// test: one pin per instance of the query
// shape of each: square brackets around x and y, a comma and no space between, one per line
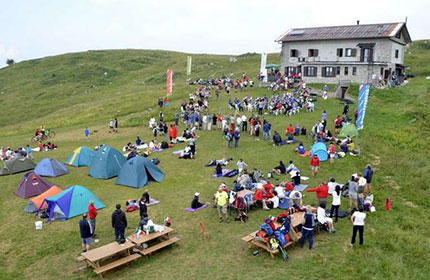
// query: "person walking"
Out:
[332,152]
[335,204]
[92,214]
[29,152]
[308,228]
[221,200]
[87,133]
[315,164]
[119,223]
[86,232]
[357,220]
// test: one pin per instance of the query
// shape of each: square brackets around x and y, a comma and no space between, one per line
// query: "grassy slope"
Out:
[395,140]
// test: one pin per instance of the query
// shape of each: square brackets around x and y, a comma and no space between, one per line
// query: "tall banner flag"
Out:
[189,64]
[263,70]
[169,82]
[363,97]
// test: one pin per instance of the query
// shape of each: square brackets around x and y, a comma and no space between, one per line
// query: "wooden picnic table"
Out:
[295,234]
[94,257]
[147,238]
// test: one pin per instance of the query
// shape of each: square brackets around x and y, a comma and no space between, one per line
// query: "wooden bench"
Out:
[112,265]
[159,246]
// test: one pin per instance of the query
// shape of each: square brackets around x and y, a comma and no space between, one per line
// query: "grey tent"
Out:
[17,165]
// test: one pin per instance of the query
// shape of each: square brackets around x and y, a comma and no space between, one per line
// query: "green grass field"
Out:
[58,92]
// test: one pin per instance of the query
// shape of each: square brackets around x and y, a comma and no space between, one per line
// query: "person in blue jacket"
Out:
[86,233]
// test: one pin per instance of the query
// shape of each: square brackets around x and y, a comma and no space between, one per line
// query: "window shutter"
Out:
[305,71]
[309,53]
[361,55]
[370,55]
[323,71]
[338,52]
[315,52]
[354,52]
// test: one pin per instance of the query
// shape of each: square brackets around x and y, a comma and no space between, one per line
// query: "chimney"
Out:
[358,22]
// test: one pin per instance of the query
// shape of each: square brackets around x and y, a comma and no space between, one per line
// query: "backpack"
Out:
[267,229]
[155,161]
[281,238]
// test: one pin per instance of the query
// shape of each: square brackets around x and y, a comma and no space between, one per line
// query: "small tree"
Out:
[10,61]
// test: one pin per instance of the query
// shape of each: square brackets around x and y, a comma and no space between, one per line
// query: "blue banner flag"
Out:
[363,96]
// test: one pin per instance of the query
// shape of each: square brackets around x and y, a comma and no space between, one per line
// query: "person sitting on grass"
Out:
[301,149]
[195,204]
[326,221]
[277,140]
[296,199]
[218,170]
[280,169]
[187,153]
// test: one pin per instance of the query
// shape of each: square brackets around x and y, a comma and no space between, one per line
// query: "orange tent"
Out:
[35,203]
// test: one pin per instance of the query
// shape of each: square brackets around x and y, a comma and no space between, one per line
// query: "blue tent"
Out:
[49,167]
[106,163]
[138,172]
[71,202]
[82,156]
[320,150]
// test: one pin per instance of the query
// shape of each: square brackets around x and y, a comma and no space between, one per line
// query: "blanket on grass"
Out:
[189,209]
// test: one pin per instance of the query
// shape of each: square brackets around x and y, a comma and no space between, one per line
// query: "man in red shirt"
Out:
[322,192]
[315,164]
[337,124]
[92,214]
[332,152]
[290,131]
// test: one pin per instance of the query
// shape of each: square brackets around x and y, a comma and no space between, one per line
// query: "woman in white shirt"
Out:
[335,203]
[357,220]
[328,222]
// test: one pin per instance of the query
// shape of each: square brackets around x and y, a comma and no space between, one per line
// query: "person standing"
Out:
[368,174]
[236,136]
[143,209]
[241,165]
[111,126]
[353,192]
[357,220]
[308,228]
[229,138]
[332,152]
[221,200]
[176,118]
[315,164]
[335,204]
[86,232]
[266,131]
[322,193]
[119,223]
[244,123]
[193,147]
[115,125]
[87,133]
[92,214]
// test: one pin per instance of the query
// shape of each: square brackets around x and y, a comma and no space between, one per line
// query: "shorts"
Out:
[314,168]
[222,209]
[368,181]
[86,241]
[353,196]
[322,200]
[332,155]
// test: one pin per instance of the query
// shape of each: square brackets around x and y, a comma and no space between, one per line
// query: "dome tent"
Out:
[348,130]
[320,150]
[17,165]
[38,201]
[138,172]
[70,203]
[49,167]
[107,163]
[82,156]
[31,185]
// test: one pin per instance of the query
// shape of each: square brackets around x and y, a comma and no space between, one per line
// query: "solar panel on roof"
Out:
[297,32]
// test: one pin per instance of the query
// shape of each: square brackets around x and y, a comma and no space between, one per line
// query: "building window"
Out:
[350,52]
[339,52]
[312,53]
[294,53]
[396,53]
[328,72]
[310,71]
[366,55]
[337,70]
[354,71]
[346,71]
[291,70]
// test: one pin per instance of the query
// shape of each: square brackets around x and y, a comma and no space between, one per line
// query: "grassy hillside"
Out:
[417,58]
[57,91]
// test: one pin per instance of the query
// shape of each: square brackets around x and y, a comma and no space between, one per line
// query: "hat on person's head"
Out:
[197,194]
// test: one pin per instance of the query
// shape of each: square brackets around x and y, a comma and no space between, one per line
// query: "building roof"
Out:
[358,31]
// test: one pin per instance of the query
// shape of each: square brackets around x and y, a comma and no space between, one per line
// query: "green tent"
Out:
[17,165]
[272,65]
[348,129]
